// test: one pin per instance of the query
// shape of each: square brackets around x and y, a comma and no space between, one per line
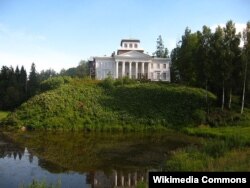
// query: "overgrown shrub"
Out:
[54,82]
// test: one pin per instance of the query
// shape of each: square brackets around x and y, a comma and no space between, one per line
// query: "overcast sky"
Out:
[59,33]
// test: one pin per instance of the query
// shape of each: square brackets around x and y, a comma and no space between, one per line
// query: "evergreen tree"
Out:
[23,83]
[160,50]
[33,82]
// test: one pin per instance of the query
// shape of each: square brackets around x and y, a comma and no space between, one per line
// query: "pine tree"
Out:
[33,83]
[160,50]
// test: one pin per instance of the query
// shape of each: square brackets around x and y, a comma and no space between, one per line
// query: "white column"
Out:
[116,69]
[129,179]
[122,180]
[130,69]
[115,178]
[136,70]
[142,69]
[149,70]
[123,68]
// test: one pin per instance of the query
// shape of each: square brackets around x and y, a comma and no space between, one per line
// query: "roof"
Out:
[129,40]
[134,55]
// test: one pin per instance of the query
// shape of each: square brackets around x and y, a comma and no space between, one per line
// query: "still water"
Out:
[85,159]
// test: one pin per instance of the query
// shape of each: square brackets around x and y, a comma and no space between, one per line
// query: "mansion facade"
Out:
[130,61]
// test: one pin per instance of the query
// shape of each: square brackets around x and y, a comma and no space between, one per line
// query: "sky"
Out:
[56,34]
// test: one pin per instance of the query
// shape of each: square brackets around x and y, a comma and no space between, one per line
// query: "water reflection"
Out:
[84,160]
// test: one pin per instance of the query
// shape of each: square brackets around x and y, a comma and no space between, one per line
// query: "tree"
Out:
[33,82]
[232,51]
[174,67]
[186,60]
[45,74]
[203,66]
[220,67]
[82,70]
[160,50]
[23,83]
[11,93]
[246,58]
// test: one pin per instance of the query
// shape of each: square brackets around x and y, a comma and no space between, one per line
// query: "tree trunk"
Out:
[223,97]
[244,90]
[230,99]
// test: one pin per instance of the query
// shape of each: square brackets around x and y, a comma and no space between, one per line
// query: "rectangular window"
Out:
[152,65]
[164,66]
[164,76]
[152,75]
[158,65]
[158,75]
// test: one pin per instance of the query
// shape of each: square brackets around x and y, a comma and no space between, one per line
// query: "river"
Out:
[78,159]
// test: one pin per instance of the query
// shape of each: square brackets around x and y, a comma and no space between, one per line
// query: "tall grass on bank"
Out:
[225,149]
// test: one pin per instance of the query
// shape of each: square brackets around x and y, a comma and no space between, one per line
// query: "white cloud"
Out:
[239,29]
[19,47]
[53,60]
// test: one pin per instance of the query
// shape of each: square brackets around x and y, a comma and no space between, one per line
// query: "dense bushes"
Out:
[54,82]
[121,104]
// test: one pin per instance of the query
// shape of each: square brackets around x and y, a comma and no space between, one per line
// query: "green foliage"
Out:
[160,50]
[217,153]
[33,81]
[108,83]
[141,184]
[54,82]
[106,105]
[211,60]
[81,71]
[12,87]
[3,115]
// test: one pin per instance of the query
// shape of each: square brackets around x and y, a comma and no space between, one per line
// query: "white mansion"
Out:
[132,62]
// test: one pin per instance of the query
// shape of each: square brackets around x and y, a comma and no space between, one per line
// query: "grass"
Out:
[240,134]
[105,106]
[224,149]
[193,159]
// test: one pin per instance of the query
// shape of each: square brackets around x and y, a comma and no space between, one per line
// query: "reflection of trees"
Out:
[117,178]
[98,154]
[9,149]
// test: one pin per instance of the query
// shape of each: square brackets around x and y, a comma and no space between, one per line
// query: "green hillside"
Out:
[96,105]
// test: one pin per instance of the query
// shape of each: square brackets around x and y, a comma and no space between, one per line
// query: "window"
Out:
[125,45]
[152,65]
[135,45]
[158,75]
[164,66]
[164,76]
[130,45]
[152,75]
[158,65]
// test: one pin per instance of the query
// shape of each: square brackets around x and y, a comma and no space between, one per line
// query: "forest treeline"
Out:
[17,85]
[216,61]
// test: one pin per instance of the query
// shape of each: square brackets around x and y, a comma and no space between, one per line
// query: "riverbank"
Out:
[223,149]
